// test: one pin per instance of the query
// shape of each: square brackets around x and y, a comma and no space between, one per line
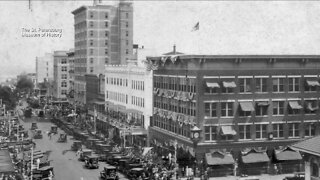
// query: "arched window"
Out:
[314,169]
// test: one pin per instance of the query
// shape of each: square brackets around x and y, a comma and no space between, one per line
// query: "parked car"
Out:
[296,176]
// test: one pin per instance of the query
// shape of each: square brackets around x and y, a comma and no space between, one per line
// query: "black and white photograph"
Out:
[159,90]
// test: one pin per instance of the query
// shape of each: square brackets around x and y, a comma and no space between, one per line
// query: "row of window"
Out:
[64,84]
[116,96]
[261,84]
[260,131]
[137,101]
[188,108]
[172,126]
[175,83]
[259,108]
[106,15]
[63,92]
[64,76]
[138,85]
[64,68]
[117,81]
[106,51]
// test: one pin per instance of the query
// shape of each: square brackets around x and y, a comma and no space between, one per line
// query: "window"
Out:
[91,51]
[226,109]
[127,24]
[106,51]
[63,61]
[278,84]
[106,24]
[106,34]
[294,107]
[212,86]
[210,133]
[63,76]
[278,130]
[262,108]
[63,84]
[228,86]
[91,14]
[63,92]
[244,132]
[64,68]
[106,42]
[91,60]
[106,15]
[91,42]
[261,131]
[127,51]
[91,69]
[127,42]
[309,129]
[278,107]
[106,60]
[261,85]
[127,33]
[293,130]
[91,33]
[314,169]
[91,23]
[294,84]
[311,106]
[245,85]
[210,109]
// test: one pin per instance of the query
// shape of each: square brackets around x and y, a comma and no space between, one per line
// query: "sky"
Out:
[226,27]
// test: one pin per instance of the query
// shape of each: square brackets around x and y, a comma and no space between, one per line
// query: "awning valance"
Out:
[288,154]
[263,103]
[230,84]
[295,105]
[228,130]
[246,106]
[255,157]
[212,85]
[217,158]
[312,83]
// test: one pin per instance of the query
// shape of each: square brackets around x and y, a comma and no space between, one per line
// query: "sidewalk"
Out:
[260,177]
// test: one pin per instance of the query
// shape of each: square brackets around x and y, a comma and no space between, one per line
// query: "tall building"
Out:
[236,102]
[103,35]
[44,68]
[70,55]
[60,75]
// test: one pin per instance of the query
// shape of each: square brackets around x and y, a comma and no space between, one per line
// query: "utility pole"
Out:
[31,176]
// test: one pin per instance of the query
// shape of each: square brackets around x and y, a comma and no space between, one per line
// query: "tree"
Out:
[24,84]
[7,97]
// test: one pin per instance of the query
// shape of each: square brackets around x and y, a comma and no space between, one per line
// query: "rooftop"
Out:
[311,146]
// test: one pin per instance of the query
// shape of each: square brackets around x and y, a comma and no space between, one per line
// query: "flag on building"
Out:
[196,27]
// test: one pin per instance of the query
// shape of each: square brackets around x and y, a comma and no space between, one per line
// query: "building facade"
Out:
[128,95]
[70,55]
[60,75]
[237,102]
[44,68]
[103,35]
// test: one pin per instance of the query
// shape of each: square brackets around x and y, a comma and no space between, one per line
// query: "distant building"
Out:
[71,75]
[60,75]
[103,35]
[128,96]
[44,68]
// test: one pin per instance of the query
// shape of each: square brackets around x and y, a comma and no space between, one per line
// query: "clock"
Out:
[196,135]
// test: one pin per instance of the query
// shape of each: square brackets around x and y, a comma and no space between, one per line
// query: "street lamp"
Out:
[195,137]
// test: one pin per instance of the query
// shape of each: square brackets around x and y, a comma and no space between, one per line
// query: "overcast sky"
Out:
[226,27]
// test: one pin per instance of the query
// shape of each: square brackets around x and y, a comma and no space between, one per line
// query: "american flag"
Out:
[151,66]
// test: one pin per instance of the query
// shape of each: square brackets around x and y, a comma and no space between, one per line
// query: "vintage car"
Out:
[62,138]
[54,130]
[115,158]
[84,153]
[76,145]
[43,173]
[34,126]
[135,173]
[91,162]
[109,173]
[296,176]
[37,134]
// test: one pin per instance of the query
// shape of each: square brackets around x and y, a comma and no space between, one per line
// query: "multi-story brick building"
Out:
[103,35]
[237,102]
[60,75]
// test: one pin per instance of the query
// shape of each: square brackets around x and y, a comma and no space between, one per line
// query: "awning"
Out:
[255,157]
[246,106]
[312,83]
[146,150]
[217,158]
[288,154]
[228,130]
[230,84]
[72,115]
[294,105]
[312,108]
[212,85]
[138,131]
[263,103]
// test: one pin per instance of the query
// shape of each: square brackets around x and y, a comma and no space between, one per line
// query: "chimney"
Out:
[174,48]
